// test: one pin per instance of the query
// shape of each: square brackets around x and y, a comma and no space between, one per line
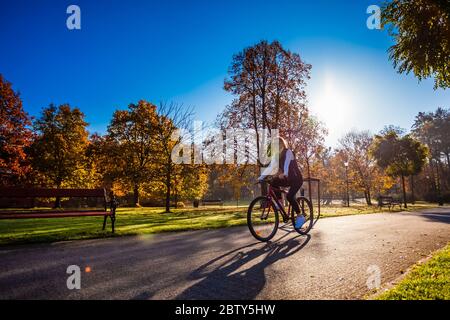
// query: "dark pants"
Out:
[294,186]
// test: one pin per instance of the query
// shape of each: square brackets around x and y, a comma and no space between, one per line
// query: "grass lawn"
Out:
[134,221]
[430,280]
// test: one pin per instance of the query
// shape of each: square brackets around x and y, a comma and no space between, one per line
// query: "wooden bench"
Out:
[388,202]
[212,202]
[60,193]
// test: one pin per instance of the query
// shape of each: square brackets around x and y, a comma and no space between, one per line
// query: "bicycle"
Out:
[263,214]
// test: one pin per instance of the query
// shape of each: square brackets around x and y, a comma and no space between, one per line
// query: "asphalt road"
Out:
[332,263]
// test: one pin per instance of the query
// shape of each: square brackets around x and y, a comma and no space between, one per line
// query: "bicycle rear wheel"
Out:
[306,209]
[262,219]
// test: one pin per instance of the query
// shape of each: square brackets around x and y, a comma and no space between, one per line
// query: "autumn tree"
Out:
[103,166]
[171,122]
[355,146]
[15,135]
[421,31]
[130,144]
[330,175]
[399,156]
[268,83]
[308,143]
[192,182]
[58,151]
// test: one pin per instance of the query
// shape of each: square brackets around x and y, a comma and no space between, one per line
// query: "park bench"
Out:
[32,193]
[389,202]
[212,202]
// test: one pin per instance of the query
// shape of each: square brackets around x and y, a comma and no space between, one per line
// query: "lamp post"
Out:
[346,179]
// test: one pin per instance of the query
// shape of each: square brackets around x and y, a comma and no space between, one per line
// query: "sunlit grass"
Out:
[336,211]
[428,281]
[135,221]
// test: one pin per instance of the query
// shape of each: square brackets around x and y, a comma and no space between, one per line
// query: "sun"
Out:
[332,104]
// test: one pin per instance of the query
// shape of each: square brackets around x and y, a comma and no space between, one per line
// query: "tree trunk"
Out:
[58,199]
[438,184]
[413,200]
[404,191]
[368,198]
[176,198]
[136,194]
[168,191]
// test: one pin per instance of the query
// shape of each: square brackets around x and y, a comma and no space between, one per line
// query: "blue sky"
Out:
[181,50]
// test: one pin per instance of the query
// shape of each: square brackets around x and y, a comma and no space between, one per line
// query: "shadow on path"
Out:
[239,273]
[436,216]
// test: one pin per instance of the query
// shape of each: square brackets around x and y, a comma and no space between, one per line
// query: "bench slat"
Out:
[65,214]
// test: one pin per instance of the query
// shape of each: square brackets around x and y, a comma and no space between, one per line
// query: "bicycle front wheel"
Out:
[262,219]
[306,209]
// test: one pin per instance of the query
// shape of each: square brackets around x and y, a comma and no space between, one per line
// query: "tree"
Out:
[58,152]
[421,30]
[330,175]
[399,156]
[131,145]
[102,167]
[433,129]
[15,135]
[171,119]
[268,83]
[308,142]
[355,146]
[194,182]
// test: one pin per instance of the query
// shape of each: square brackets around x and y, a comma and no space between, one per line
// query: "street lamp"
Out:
[346,179]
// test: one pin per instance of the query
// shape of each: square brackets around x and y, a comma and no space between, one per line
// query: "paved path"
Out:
[228,263]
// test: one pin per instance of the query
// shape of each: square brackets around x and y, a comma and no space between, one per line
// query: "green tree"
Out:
[421,30]
[433,129]
[58,152]
[399,156]
[15,135]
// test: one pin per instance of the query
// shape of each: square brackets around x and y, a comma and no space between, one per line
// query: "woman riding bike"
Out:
[286,174]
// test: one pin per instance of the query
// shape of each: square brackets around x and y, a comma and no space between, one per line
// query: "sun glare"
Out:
[332,103]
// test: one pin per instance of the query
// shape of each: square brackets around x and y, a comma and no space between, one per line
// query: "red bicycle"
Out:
[263,215]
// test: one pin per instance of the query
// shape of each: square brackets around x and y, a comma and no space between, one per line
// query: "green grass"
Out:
[135,221]
[428,281]
[336,211]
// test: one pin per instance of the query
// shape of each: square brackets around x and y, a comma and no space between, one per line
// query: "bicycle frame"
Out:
[273,197]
